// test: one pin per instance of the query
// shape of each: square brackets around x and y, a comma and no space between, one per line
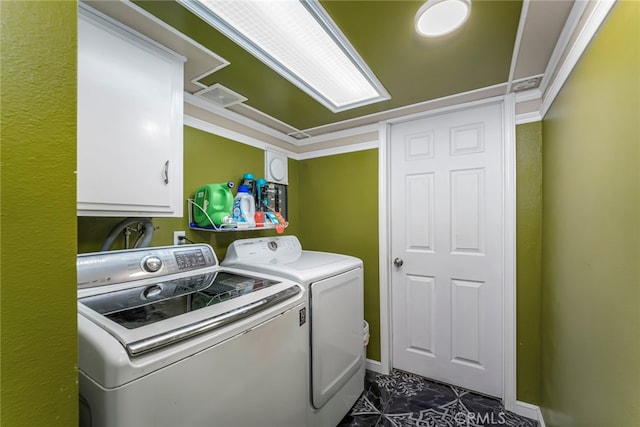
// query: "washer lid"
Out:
[149,303]
[151,315]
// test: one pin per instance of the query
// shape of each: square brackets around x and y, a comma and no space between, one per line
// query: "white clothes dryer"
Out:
[336,314]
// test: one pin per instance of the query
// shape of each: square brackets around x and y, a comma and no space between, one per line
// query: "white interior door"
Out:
[447,213]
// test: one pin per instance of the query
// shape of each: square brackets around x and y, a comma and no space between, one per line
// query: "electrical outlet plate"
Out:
[176,235]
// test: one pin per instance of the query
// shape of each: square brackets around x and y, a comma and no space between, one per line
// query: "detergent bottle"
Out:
[214,203]
[244,208]
[249,181]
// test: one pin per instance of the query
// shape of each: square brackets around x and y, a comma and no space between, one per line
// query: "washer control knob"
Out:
[152,264]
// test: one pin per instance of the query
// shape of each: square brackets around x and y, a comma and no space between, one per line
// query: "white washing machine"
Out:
[169,338]
[336,315]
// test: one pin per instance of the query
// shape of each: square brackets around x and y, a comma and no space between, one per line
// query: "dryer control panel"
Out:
[263,249]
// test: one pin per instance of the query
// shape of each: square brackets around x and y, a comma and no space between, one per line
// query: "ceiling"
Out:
[503,42]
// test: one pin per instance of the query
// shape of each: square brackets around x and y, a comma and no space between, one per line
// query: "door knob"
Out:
[398,262]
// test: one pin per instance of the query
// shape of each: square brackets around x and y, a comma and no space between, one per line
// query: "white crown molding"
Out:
[340,134]
[118,27]
[196,79]
[238,118]
[588,31]
[233,135]
[516,45]
[290,128]
[427,107]
[351,148]
[525,118]
[447,109]
[170,30]
[420,107]
[247,140]
[528,95]
[563,41]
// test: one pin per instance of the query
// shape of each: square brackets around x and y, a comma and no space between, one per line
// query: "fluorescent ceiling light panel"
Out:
[298,40]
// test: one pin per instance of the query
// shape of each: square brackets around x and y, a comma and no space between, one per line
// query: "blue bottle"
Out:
[261,197]
[249,182]
[244,208]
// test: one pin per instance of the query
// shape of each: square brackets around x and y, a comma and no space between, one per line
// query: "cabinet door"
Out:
[129,123]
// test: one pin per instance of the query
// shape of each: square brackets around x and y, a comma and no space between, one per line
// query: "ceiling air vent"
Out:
[299,135]
[526,84]
[220,95]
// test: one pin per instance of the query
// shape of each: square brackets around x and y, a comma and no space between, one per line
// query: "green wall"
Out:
[528,263]
[38,236]
[207,159]
[339,207]
[591,235]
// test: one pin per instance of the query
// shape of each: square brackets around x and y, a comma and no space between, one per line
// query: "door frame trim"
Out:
[508,232]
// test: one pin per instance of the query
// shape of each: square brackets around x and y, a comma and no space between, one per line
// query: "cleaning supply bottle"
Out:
[213,205]
[244,208]
[249,181]
[262,201]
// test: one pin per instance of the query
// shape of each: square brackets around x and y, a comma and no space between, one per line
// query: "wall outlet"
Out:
[176,238]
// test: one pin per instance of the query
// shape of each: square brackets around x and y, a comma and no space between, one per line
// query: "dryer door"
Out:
[336,333]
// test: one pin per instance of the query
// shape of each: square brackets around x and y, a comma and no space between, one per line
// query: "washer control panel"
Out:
[108,268]
[152,263]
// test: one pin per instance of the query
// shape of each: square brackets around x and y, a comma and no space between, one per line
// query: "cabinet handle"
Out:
[166,172]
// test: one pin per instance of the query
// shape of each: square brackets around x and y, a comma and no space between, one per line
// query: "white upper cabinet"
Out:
[130,114]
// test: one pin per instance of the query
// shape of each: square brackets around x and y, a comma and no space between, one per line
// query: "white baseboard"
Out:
[530,411]
[375,366]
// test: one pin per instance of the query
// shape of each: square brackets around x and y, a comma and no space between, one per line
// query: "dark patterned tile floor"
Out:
[402,399]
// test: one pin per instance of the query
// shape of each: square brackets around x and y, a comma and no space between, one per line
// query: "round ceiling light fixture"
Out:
[440,17]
